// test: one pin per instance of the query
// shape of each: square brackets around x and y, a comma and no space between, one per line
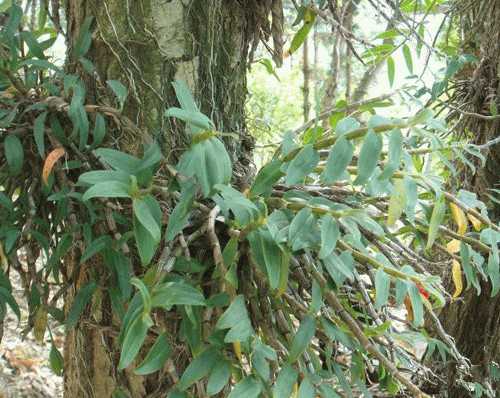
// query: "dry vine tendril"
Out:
[305,267]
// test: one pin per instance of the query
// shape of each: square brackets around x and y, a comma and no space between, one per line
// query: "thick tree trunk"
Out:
[474,321]
[147,45]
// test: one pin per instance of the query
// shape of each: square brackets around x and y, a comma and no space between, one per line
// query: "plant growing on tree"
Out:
[304,267]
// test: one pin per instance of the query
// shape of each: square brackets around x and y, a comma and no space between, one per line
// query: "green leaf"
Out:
[143,214]
[302,338]
[244,210]
[249,387]
[156,357]
[100,176]
[99,130]
[339,267]
[436,220]
[56,361]
[119,90]
[134,339]
[107,189]
[470,274]
[80,302]
[84,40]
[7,297]
[382,285]
[301,165]
[39,133]
[119,160]
[339,158]
[330,233]
[346,125]
[306,389]
[416,304]
[266,178]
[285,381]
[397,202]
[196,120]
[219,377]
[261,353]
[391,70]
[184,96]
[302,230]
[209,162]
[368,157]
[408,58]
[14,153]
[167,294]
[96,246]
[395,149]
[180,215]
[144,293]
[236,319]
[301,35]
[200,367]
[146,244]
[267,255]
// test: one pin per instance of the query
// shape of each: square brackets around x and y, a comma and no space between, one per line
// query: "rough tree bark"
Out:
[474,321]
[147,45]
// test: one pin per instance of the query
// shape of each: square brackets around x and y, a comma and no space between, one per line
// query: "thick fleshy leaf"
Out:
[156,357]
[302,338]
[368,157]
[382,285]
[199,368]
[301,165]
[285,382]
[134,339]
[339,158]
[267,255]
[246,388]
[330,233]
[219,377]
[266,178]
[236,319]
[79,303]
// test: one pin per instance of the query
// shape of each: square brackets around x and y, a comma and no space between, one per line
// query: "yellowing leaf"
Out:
[50,161]
[4,263]
[453,246]
[475,222]
[397,202]
[456,272]
[295,392]
[409,309]
[459,218]
[40,324]
[237,349]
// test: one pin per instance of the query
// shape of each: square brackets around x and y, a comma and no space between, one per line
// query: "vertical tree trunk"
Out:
[147,45]
[474,321]
[306,73]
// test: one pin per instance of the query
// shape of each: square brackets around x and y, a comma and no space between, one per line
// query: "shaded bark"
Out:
[474,321]
[147,45]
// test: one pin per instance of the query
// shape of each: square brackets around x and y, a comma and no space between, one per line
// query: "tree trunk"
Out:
[474,321]
[147,45]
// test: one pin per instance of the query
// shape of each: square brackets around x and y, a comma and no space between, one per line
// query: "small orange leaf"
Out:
[409,309]
[50,161]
